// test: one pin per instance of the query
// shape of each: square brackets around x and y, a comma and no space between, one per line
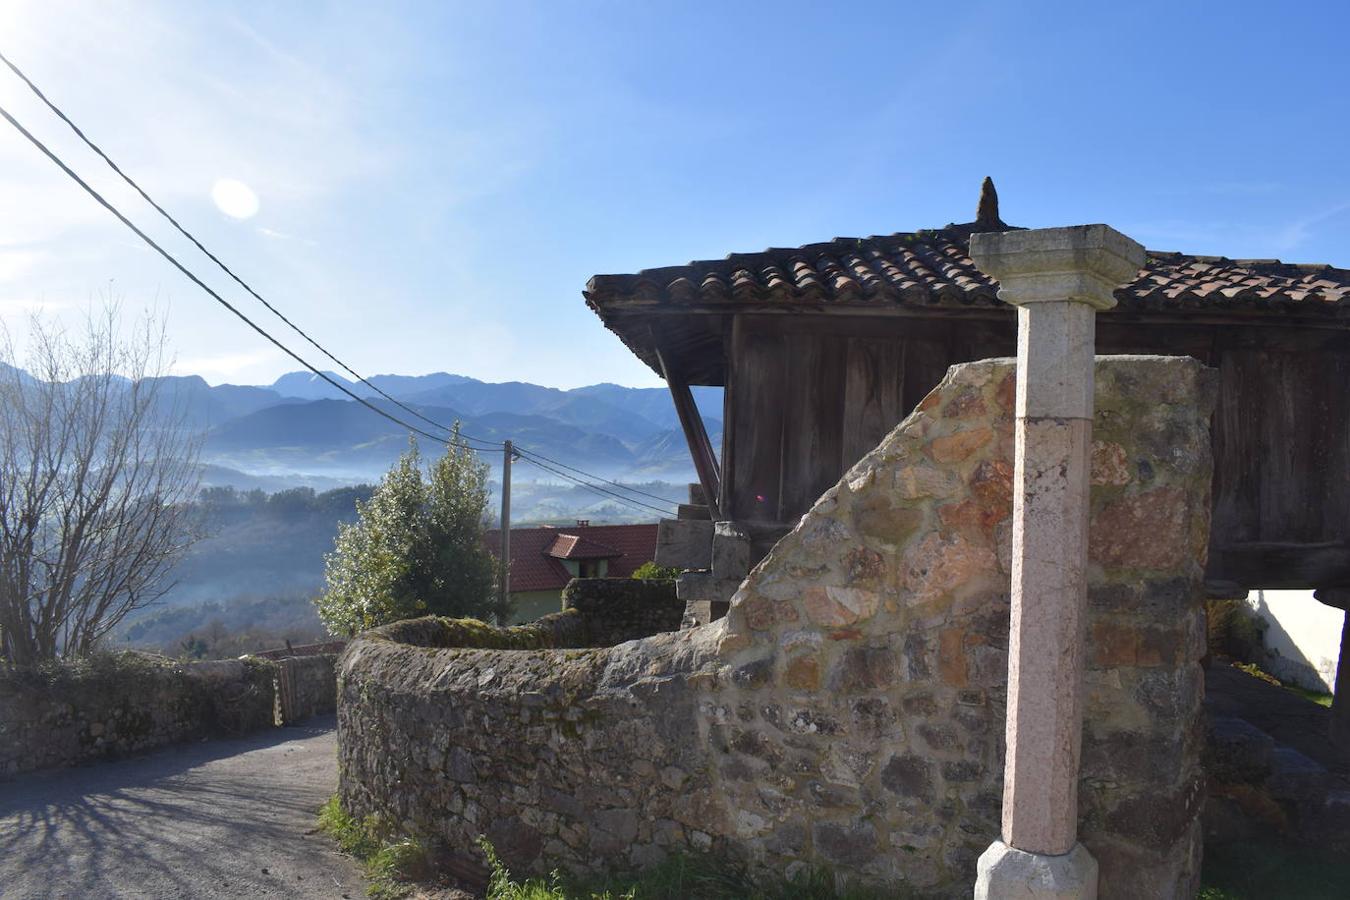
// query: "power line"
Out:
[238,280]
[215,259]
[635,504]
[204,286]
[527,452]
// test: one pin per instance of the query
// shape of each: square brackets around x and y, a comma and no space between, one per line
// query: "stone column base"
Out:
[1006,873]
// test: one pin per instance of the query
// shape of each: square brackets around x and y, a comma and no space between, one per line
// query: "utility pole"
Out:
[504,573]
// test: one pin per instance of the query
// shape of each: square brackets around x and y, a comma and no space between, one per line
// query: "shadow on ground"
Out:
[225,818]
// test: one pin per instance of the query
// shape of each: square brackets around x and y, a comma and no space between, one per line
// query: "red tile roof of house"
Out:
[575,546]
[537,553]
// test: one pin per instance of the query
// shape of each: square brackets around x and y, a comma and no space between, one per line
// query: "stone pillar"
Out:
[1057,278]
[1339,598]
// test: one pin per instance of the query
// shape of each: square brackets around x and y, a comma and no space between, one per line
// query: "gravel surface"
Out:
[225,818]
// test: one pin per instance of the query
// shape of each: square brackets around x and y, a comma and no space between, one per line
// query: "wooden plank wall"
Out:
[808,396]
[805,403]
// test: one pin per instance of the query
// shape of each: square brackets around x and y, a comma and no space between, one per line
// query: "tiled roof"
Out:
[535,566]
[575,546]
[933,268]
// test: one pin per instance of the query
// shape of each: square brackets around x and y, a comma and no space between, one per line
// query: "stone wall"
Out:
[114,706]
[623,609]
[849,710]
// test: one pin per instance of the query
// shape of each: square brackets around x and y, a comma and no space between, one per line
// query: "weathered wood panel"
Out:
[760,361]
[926,361]
[874,383]
[813,435]
[1237,463]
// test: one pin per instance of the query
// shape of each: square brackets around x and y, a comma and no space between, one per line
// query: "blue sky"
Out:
[436,181]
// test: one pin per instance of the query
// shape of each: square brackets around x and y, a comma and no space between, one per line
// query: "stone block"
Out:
[1297,779]
[692,511]
[730,551]
[1237,752]
[705,587]
[684,543]
[1006,873]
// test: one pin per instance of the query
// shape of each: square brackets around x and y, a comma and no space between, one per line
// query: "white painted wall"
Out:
[1304,637]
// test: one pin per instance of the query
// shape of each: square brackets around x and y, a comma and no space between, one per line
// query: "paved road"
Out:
[217,819]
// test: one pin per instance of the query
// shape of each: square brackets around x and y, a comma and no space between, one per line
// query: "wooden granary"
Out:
[824,348]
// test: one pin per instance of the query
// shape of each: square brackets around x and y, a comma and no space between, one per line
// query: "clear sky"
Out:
[435,181]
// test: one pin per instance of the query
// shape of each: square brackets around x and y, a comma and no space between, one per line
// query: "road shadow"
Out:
[167,823]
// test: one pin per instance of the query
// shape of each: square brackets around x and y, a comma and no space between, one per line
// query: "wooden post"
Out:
[1340,703]
[504,562]
[696,435]
[1339,598]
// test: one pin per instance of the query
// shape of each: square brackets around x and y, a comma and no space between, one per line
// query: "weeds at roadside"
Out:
[391,865]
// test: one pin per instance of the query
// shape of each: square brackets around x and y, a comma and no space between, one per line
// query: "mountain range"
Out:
[302,430]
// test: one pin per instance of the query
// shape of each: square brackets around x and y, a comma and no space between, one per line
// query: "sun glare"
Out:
[235,199]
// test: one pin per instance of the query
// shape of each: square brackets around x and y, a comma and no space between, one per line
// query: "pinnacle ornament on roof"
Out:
[986,215]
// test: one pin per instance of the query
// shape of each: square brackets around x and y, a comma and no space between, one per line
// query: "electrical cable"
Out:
[594,488]
[204,286]
[616,484]
[238,280]
[215,259]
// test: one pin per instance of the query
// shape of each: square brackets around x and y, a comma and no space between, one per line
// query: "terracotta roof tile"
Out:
[575,546]
[934,268]
[537,566]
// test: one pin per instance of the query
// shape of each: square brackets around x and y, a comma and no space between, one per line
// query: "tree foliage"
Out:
[96,474]
[416,547]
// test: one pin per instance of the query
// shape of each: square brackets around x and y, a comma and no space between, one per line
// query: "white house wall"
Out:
[1303,639]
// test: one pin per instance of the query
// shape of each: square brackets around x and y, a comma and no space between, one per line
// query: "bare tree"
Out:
[97,470]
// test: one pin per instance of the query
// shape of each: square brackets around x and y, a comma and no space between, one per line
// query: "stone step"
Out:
[1238,752]
[1297,779]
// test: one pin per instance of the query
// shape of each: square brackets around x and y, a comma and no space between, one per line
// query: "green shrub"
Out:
[416,548]
[650,571]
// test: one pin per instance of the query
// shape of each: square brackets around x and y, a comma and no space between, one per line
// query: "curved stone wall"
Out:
[849,709]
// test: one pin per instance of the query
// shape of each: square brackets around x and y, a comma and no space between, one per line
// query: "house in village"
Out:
[823,349]
[544,558]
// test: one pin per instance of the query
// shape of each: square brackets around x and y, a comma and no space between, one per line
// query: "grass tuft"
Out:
[391,864]
[682,877]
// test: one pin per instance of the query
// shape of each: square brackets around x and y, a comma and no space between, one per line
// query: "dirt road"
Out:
[227,818]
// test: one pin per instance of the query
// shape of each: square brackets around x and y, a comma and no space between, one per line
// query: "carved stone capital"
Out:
[1082,263]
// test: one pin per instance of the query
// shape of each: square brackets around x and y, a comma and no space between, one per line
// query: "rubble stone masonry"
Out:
[849,710]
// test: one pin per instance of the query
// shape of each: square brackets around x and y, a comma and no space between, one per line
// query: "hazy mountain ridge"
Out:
[313,428]
[302,430]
